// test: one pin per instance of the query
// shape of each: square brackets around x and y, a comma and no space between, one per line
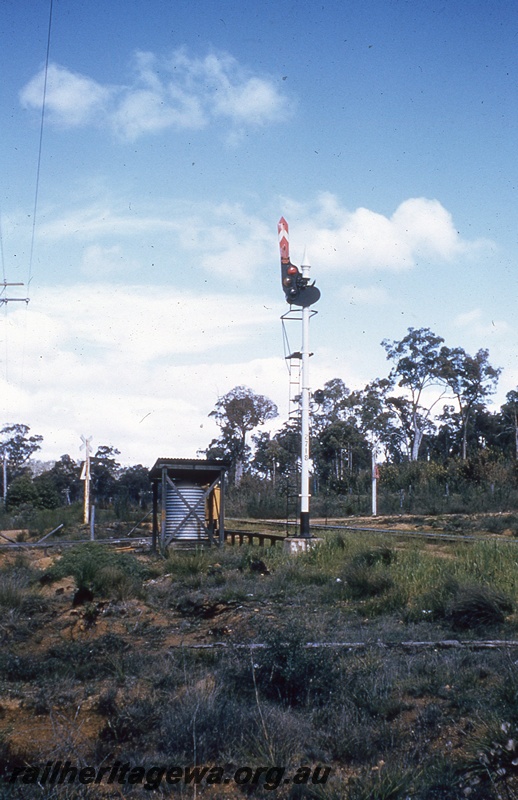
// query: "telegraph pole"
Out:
[3,302]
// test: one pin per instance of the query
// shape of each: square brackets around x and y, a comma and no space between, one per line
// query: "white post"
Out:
[86,506]
[304,414]
[5,477]
[374,483]
[86,446]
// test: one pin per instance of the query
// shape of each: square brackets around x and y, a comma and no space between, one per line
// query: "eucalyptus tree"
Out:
[331,403]
[65,477]
[509,415]
[238,413]
[377,418]
[16,447]
[472,380]
[105,471]
[338,445]
[420,361]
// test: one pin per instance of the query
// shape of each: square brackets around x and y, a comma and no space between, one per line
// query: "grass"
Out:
[105,572]
[382,717]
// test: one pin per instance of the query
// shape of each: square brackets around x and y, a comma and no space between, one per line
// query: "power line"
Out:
[2,257]
[4,299]
[40,147]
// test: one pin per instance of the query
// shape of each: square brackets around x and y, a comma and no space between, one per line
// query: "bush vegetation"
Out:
[392,720]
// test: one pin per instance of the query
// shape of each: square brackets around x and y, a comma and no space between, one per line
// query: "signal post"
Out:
[299,292]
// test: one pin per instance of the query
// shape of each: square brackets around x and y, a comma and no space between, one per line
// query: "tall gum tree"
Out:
[377,418]
[472,380]
[238,413]
[509,414]
[419,365]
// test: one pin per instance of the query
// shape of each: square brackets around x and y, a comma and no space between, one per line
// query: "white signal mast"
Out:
[300,292]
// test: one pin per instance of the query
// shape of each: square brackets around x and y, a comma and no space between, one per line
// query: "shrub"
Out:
[185,564]
[386,782]
[136,722]
[290,672]
[367,574]
[464,606]
[348,734]
[203,723]
[378,555]
[115,581]
[363,582]
[104,571]
[14,588]
[478,607]
[493,757]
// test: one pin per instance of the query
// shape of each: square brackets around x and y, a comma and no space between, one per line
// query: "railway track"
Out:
[240,535]
[419,534]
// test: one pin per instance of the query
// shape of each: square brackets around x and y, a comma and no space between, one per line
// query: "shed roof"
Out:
[189,468]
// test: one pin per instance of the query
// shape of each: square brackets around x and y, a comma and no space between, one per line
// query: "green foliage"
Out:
[386,782]
[363,581]
[104,571]
[14,588]
[382,716]
[290,672]
[187,563]
[477,607]
[22,491]
[18,447]
[47,494]
[238,413]
[464,606]
[493,756]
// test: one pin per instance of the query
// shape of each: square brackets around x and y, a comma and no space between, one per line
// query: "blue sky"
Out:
[175,136]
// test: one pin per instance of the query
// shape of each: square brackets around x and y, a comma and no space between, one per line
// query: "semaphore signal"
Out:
[299,292]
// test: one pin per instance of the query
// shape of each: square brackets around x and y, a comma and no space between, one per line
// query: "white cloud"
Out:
[234,94]
[427,228]
[226,241]
[476,323]
[221,239]
[137,367]
[234,242]
[177,93]
[146,111]
[364,295]
[71,99]
[102,219]
[102,262]
[133,366]
[364,239]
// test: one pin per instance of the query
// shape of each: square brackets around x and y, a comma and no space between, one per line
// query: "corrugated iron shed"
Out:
[192,500]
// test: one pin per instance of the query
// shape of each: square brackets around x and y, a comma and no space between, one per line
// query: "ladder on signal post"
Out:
[294,363]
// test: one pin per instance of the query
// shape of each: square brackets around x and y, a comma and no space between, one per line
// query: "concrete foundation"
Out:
[293,544]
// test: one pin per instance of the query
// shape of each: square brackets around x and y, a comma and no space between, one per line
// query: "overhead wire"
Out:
[37,183]
[2,256]
[40,147]
[3,302]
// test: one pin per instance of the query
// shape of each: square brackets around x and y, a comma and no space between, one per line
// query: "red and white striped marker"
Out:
[284,240]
